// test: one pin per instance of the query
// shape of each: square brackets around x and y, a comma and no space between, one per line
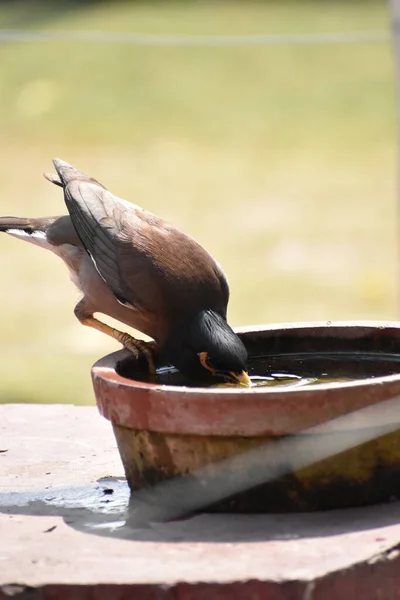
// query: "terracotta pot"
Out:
[272,439]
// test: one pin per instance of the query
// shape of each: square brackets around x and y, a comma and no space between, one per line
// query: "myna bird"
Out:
[140,270]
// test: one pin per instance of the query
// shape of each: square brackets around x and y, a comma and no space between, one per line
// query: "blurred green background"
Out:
[280,159]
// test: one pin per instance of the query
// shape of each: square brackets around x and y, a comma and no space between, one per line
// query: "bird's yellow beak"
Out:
[240,378]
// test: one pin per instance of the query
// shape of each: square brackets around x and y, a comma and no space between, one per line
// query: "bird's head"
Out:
[205,348]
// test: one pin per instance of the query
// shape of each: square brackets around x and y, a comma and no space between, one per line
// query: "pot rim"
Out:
[244,412]
[105,367]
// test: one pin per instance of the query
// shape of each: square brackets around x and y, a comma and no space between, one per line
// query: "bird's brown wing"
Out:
[94,214]
[147,263]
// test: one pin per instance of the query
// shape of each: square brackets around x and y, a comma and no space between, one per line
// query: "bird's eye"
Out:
[206,363]
[210,364]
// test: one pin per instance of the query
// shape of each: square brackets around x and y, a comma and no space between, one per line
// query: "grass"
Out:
[279,159]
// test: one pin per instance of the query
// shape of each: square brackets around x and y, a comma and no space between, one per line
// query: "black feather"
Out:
[208,332]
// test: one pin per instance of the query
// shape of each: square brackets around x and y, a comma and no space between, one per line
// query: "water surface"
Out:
[296,369]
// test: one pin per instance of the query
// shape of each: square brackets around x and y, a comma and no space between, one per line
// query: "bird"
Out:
[133,266]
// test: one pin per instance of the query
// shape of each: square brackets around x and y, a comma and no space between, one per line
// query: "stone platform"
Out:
[65,532]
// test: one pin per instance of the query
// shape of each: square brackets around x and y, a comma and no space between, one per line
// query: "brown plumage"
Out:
[133,266]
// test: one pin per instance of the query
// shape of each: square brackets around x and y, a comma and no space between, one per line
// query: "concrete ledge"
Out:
[65,533]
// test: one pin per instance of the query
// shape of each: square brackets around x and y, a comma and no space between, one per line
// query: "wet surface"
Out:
[99,507]
[107,496]
[84,509]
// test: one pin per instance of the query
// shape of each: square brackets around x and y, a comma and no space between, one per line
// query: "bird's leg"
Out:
[137,347]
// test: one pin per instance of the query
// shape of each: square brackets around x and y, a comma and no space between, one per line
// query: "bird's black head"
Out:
[205,348]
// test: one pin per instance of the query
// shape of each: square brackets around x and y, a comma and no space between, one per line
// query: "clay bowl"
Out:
[281,448]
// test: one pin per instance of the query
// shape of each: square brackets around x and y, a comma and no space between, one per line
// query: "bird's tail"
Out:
[67,173]
[30,230]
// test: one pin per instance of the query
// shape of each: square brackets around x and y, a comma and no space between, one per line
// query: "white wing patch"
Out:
[38,238]
[21,233]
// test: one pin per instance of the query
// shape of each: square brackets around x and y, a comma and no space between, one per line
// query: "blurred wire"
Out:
[394,6]
[22,349]
[143,39]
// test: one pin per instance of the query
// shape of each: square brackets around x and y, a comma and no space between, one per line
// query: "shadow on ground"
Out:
[106,509]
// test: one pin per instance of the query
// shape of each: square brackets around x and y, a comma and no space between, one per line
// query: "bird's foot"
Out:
[138,348]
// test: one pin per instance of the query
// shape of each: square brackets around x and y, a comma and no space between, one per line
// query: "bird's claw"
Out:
[139,348]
